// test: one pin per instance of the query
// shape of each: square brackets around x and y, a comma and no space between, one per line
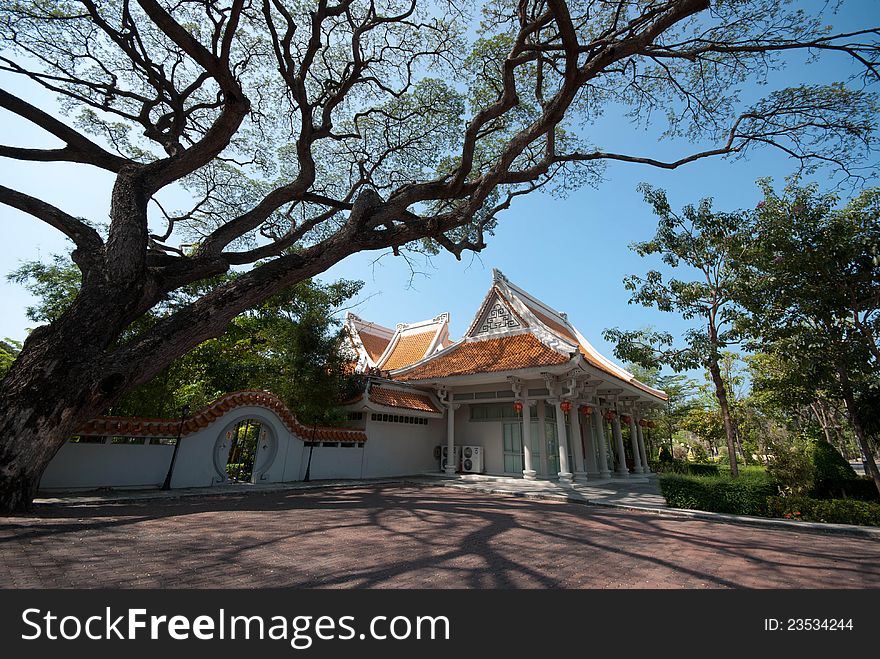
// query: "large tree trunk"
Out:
[855,420]
[65,373]
[55,385]
[721,394]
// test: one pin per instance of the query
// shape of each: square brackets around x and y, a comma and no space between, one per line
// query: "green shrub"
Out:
[702,470]
[828,463]
[791,464]
[742,496]
[699,455]
[834,511]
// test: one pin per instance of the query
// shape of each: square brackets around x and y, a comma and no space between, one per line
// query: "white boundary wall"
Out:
[392,449]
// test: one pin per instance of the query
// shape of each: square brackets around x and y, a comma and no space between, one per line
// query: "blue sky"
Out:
[571,253]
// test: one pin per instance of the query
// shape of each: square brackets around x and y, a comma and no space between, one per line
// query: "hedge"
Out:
[682,467]
[736,497]
[834,511]
[861,488]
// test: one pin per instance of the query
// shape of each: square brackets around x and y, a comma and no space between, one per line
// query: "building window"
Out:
[87,439]
[163,441]
[496,412]
[127,440]
[395,418]
[355,416]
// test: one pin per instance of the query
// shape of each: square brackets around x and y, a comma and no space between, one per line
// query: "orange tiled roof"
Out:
[405,399]
[492,355]
[568,334]
[374,345]
[141,427]
[409,349]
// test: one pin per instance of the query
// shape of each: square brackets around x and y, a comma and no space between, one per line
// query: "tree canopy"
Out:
[811,291]
[701,241]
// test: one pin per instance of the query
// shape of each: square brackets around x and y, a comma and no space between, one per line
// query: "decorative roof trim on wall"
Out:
[396,396]
[144,427]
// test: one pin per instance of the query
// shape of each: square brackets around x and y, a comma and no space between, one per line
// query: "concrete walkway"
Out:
[401,535]
[639,493]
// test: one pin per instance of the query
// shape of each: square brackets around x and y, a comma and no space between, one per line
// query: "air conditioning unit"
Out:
[472,460]
[444,453]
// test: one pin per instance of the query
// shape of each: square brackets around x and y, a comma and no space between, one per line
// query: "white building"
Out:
[523,385]
[522,394]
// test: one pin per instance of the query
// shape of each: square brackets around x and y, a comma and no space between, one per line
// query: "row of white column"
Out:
[585,466]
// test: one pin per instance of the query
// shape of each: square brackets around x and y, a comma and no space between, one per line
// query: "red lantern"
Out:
[565,406]
[610,415]
[518,407]
[586,410]
[626,418]
[643,423]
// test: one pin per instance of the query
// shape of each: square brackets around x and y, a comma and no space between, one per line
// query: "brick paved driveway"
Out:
[403,537]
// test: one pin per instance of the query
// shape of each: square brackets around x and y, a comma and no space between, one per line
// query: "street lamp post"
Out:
[184,412]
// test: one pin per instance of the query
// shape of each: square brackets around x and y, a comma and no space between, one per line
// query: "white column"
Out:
[565,474]
[599,425]
[541,410]
[634,442]
[621,470]
[529,472]
[450,437]
[645,466]
[590,465]
[577,448]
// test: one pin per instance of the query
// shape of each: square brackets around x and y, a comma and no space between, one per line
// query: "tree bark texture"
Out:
[729,431]
[858,428]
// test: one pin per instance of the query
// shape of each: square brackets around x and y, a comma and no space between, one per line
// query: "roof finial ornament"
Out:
[497,275]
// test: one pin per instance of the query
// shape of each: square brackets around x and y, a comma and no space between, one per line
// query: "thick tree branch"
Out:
[79,148]
[88,242]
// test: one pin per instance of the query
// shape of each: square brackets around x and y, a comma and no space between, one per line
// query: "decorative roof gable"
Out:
[497,318]
[369,340]
[412,342]
[513,330]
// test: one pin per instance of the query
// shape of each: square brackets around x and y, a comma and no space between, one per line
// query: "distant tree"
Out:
[54,284]
[9,350]
[680,391]
[813,291]
[292,345]
[791,392]
[706,424]
[696,240]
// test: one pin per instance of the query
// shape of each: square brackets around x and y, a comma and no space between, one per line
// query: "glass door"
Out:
[551,441]
[513,449]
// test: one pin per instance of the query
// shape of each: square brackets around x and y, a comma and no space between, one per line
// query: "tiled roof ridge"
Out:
[407,332]
[400,396]
[368,325]
[147,427]
[558,324]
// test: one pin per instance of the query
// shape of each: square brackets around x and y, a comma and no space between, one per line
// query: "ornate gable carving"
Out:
[497,319]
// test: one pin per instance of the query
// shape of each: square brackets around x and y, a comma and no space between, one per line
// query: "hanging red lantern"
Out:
[610,415]
[518,407]
[626,418]
[586,410]
[565,406]
[643,423]
[651,424]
